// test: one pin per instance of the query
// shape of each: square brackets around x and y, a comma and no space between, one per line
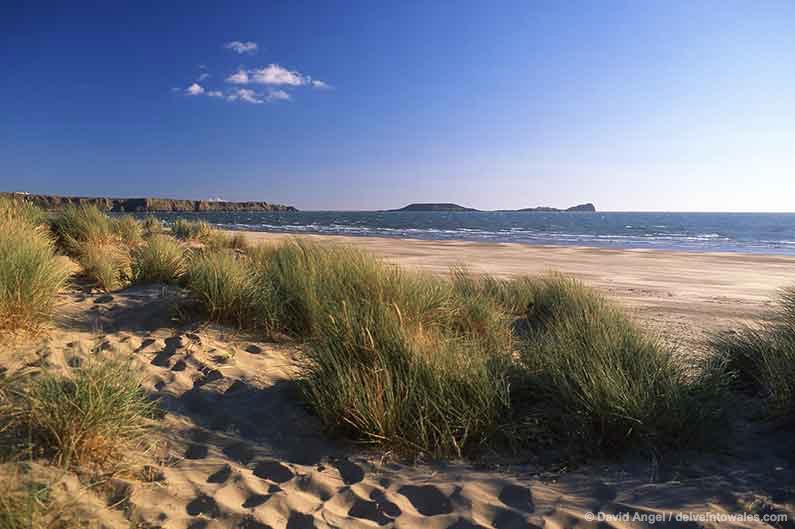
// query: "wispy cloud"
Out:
[246,95]
[239,77]
[273,74]
[278,95]
[194,90]
[242,47]
[275,82]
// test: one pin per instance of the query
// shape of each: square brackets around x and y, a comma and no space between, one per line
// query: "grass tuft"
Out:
[97,243]
[762,357]
[91,418]
[160,258]
[17,208]
[152,225]
[108,265]
[225,286]
[590,376]
[30,273]
[129,229]
[234,241]
[192,230]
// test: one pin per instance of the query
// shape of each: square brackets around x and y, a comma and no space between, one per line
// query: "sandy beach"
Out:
[681,294]
[235,446]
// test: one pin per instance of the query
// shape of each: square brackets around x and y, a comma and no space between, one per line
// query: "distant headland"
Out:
[446,206]
[133,205]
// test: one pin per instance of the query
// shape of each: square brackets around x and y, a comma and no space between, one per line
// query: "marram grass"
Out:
[31,275]
[451,366]
[762,357]
[160,258]
[589,375]
[91,418]
[100,245]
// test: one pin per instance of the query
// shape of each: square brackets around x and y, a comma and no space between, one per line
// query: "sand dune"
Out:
[235,447]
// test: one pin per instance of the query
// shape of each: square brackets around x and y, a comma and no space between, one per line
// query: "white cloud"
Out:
[203,76]
[215,93]
[246,95]
[273,74]
[239,77]
[241,47]
[320,85]
[194,90]
[278,95]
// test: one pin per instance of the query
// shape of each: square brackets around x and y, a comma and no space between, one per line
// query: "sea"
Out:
[764,233]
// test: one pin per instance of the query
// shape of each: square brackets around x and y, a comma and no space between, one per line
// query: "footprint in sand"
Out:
[427,499]
[239,452]
[518,497]
[203,505]
[196,451]
[300,520]
[351,473]
[255,500]
[273,471]
[251,523]
[220,476]
[506,519]
[380,513]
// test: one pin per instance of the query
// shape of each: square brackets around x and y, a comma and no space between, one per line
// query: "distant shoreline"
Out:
[147,204]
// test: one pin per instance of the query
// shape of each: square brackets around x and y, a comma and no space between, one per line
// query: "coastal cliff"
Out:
[132,205]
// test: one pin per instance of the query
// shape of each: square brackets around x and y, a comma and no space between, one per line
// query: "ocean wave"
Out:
[695,233]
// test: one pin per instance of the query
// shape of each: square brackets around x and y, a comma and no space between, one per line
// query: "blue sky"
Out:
[632,105]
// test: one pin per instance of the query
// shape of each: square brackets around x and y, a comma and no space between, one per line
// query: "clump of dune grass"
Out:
[193,230]
[160,258]
[449,366]
[18,208]
[129,229]
[152,225]
[76,225]
[30,273]
[230,241]
[108,265]
[226,288]
[95,241]
[375,377]
[90,418]
[762,357]
[590,376]
[392,358]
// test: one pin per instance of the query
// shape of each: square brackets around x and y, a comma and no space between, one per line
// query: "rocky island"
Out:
[141,205]
[447,206]
[588,207]
[434,206]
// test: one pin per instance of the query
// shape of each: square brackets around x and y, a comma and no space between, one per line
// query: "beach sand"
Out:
[236,448]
